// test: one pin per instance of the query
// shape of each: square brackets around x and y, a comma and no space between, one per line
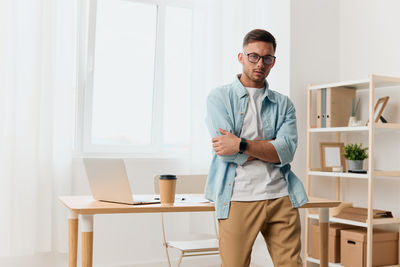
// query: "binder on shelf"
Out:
[334,106]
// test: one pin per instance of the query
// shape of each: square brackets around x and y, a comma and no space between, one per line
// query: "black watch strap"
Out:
[242,146]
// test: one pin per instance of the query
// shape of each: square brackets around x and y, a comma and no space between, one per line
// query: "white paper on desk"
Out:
[195,199]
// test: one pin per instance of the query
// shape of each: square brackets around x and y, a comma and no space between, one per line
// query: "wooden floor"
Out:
[41,259]
[60,260]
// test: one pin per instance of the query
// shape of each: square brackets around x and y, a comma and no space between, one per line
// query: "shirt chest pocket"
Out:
[269,123]
[272,120]
[279,121]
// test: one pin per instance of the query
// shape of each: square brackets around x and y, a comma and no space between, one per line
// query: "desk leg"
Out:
[324,228]
[72,238]
[87,240]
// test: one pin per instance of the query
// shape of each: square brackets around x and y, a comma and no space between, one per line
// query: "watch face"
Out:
[242,145]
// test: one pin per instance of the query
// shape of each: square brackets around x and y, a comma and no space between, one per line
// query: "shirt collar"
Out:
[242,92]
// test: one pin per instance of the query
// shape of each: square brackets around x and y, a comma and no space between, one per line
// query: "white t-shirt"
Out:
[256,179]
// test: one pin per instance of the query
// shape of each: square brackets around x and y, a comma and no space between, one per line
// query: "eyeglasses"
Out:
[254,58]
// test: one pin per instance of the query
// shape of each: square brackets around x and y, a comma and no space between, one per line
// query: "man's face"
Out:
[256,72]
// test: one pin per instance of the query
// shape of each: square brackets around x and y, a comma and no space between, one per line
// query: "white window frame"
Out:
[85,68]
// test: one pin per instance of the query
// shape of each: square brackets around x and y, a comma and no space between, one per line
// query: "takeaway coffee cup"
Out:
[167,188]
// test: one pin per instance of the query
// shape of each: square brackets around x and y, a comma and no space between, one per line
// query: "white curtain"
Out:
[37,62]
[218,30]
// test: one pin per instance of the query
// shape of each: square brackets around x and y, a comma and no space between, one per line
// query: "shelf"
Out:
[339,174]
[380,221]
[358,84]
[338,129]
[379,81]
[395,126]
[331,264]
[338,220]
[309,259]
[387,173]
[377,126]
[355,175]
[376,221]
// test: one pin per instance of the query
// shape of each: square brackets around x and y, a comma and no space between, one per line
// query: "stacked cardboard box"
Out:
[353,246]
[334,241]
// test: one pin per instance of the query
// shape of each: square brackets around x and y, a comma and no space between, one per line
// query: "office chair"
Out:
[189,184]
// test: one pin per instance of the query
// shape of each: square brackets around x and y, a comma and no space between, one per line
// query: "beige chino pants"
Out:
[278,222]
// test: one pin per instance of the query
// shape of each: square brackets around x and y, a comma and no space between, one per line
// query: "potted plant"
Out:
[355,155]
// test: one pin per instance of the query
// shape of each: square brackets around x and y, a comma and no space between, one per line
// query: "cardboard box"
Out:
[334,241]
[353,247]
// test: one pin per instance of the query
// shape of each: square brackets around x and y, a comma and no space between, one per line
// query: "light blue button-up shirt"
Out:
[226,107]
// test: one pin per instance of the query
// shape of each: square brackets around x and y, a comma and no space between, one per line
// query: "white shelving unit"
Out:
[373,82]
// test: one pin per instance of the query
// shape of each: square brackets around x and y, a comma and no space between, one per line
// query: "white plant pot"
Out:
[355,165]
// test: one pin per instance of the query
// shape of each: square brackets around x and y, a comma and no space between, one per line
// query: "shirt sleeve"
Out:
[219,117]
[286,138]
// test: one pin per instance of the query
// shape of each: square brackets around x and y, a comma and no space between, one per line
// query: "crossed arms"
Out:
[226,142]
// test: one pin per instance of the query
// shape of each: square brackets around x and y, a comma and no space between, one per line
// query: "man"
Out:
[254,138]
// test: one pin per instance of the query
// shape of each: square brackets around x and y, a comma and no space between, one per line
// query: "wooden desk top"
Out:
[315,202]
[87,205]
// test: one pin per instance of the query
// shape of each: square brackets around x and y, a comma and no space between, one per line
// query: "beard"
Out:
[253,76]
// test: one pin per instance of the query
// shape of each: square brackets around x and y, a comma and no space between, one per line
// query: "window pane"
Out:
[123,73]
[177,79]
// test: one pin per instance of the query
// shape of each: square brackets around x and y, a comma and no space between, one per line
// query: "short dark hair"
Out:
[259,35]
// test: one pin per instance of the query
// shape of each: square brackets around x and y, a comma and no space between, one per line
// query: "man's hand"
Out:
[226,144]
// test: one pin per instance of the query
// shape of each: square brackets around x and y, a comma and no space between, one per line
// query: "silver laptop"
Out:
[109,182]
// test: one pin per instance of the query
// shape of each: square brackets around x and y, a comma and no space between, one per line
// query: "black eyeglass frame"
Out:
[267,57]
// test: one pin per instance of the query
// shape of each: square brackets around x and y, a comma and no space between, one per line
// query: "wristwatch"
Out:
[242,145]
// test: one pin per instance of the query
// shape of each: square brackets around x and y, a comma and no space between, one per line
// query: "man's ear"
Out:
[240,58]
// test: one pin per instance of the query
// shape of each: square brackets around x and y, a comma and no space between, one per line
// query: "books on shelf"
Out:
[334,106]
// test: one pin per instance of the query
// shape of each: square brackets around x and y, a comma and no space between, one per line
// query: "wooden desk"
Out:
[86,207]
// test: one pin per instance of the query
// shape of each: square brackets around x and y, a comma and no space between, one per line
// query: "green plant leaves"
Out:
[355,152]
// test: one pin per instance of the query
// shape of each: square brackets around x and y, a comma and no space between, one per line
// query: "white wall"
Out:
[314,59]
[369,38]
